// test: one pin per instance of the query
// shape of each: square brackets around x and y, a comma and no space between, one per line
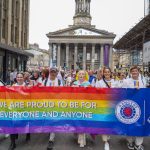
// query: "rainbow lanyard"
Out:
[136,83]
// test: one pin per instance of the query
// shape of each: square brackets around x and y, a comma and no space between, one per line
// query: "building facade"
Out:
[147,7]
[135,43]
[81,45]
[14,35]
[40,59]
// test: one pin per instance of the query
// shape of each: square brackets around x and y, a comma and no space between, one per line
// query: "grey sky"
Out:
[116,16]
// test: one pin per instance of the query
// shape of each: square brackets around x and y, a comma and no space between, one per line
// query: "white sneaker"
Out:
[6,135]
[81,145]
[140,147]
[106,146]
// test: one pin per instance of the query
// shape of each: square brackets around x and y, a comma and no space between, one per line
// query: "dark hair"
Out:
[46,72]
[134,67]
[109,70]
[20,73]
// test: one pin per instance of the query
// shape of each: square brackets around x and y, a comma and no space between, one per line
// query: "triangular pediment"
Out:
[80,31]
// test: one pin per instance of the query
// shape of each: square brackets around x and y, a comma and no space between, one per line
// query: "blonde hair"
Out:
[86,75]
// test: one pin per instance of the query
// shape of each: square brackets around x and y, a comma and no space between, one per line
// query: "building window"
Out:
[25,40]
[88,56]
[4,29]
[96,56]
[16,34]
[4,19]
[12,33]
[17,9]
[1,67]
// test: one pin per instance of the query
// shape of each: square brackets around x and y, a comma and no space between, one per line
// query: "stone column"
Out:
[102,55]
[58,54]
[93,56]
[110,56]
[84,56]
[75,55]
[67,55]
[50,55]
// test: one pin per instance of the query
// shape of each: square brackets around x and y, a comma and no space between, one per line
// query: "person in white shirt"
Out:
[82,80]
[122,77]
[14,74]
[11,77]
[106,82]
[13,137]
[52,81]
[98,77]
[44,76]
[134,82]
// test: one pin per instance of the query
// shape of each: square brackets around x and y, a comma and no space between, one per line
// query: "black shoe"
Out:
[130,146]
[27,137]
[16,136]
[12,146]
[50,145]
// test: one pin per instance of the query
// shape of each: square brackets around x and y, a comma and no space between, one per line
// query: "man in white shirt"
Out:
[134,82]
[50,82]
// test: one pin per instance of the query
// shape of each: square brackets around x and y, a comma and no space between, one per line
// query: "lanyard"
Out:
[136,83]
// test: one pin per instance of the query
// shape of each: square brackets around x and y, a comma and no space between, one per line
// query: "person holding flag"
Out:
[134,82]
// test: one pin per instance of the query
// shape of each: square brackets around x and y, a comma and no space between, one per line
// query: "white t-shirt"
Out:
[16,84]
[14,74]
[11,76]
[52,82]
[102,84]
[119,83]
[131,83]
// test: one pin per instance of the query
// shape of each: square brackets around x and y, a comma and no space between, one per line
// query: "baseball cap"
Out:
[53,69]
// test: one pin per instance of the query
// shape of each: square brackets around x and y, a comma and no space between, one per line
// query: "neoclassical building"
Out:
[81,45]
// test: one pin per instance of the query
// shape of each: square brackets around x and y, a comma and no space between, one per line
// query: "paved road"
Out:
[68,142]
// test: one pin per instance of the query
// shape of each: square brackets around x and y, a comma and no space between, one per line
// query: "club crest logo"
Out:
[128,112]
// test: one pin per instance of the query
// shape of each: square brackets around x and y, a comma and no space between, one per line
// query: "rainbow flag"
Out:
[75,110]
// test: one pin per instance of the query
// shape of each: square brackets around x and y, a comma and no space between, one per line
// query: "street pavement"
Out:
[67,142]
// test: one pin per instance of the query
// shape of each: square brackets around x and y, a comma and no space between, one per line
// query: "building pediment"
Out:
[81,31]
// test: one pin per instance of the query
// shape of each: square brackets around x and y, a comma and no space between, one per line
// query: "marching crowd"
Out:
[102,78]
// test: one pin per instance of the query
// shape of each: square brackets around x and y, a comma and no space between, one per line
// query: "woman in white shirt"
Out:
[134,82]
[82,81]
[106,82]
[13,137]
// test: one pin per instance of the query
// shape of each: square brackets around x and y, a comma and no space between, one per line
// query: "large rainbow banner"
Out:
[75,110]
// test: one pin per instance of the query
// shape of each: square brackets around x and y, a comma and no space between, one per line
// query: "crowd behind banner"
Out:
[102,78]
[34,77]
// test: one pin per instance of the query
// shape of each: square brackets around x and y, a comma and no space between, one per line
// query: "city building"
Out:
[14,34]
[136,43]
[40,59]
[121,60]
[81,45]
[147,7]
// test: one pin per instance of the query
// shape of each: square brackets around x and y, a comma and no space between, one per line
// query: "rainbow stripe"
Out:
[62,109]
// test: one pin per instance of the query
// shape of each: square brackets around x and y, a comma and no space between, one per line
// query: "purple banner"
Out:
[106,55]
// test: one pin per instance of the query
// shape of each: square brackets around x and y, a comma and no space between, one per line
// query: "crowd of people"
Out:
[102,78]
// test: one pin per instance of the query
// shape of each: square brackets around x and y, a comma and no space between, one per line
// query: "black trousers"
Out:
[13,137]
